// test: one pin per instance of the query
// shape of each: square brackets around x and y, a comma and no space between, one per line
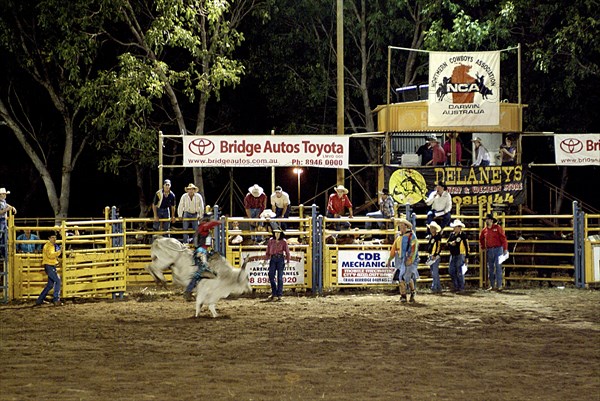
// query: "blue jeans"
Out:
[276,265]
[53,282]
[445,219]
[187,223]
[455,270]
[375,215]
[436,286]
[279,214]
[411,272]
[255,213]
[494,268]
[162,214]
[338,226]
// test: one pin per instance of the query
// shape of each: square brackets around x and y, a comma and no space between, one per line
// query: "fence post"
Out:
[317,255]
[117,228]
[219,240]
[578,244]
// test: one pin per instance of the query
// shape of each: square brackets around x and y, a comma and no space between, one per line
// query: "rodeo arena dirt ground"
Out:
[521,344]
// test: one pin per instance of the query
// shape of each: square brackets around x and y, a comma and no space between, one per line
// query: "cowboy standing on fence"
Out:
[163,206]
[191,205]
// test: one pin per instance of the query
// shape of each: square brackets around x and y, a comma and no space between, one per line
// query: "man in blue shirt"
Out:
[28,247]
[163,206]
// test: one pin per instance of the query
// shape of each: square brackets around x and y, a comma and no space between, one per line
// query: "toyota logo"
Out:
[571,145]
[201,147]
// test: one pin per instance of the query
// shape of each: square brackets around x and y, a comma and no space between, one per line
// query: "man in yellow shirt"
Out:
[50,254]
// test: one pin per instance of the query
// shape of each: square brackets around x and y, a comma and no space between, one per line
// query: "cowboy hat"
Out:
[340,188]
[238,239]
[4,191]
[191,186]
[490,216]
[457,223]
[435,225]
[405,222]
[167,182]
[278,189]
[267,214]
[384,191]
[256,190]
[433,137]
[476,139]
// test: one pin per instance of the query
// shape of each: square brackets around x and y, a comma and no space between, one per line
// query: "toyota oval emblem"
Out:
[201,147]
[571,145]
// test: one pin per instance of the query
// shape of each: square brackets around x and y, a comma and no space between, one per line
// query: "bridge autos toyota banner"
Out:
[577,149]
[464,89]
[266,151]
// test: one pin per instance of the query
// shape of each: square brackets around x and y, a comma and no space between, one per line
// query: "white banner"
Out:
[577,149]
[266,151]
[464,89]
[364,267]
[258,269]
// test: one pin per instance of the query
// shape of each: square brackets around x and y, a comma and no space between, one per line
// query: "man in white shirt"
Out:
[280,204]
[191,205]
[440,201]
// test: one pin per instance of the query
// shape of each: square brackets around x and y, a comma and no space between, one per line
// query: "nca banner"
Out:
[577,149]
[266,151]
[464,89]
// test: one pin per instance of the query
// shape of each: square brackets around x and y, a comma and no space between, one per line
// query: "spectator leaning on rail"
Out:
[50,254]
[28,247]
[458,244]
[4,209]
[163,206]
[280,204]
[493,240]
[434,247]
[440,201]
[337,204]
[405,250]
[191,205]
[255,203]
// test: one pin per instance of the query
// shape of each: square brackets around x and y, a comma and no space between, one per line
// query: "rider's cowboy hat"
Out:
[340,188]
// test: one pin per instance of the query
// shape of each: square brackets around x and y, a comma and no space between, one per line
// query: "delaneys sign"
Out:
[266,151]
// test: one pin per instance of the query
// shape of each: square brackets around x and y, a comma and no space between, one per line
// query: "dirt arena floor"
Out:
[541,344]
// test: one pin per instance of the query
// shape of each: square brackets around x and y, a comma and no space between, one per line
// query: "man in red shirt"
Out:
[255,203]
[337,204]
[277,253]
[439,156]
[457,149]
[493,240]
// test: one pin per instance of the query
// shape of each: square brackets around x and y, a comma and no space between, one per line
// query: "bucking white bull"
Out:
[169,252]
